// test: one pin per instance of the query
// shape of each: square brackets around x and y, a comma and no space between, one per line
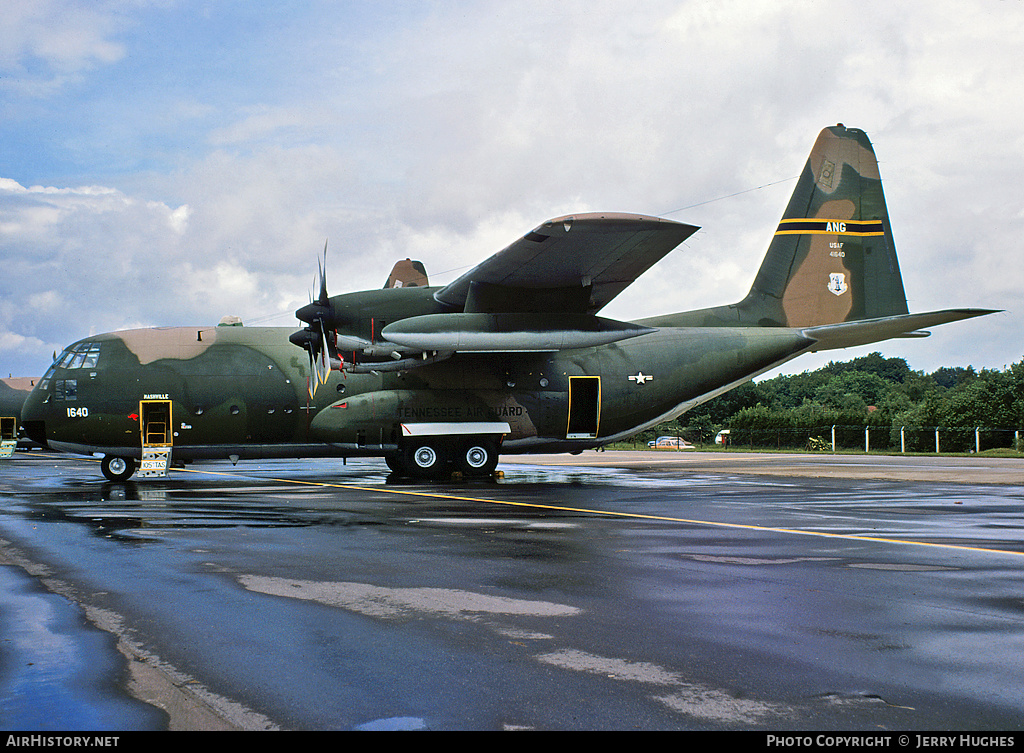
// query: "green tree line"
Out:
[900,408]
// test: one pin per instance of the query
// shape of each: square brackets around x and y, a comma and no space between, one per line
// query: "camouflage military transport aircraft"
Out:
[14,391]
[511,356]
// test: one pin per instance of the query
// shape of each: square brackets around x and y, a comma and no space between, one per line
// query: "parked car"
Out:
[670,443]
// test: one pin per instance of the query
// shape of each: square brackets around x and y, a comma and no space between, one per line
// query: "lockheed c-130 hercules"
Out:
[509,357]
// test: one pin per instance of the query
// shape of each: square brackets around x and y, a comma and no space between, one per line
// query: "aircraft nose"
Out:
[33,420]
[36,431]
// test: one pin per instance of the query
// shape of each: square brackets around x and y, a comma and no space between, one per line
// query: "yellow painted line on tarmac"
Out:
[617,514]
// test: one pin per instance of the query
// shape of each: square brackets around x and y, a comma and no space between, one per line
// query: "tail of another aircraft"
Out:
[832,258]
[407,274]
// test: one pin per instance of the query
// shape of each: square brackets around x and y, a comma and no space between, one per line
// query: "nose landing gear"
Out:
[117,468]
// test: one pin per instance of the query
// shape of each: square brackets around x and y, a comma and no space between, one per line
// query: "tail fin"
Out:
[407,274]
[831,268]
[832,258]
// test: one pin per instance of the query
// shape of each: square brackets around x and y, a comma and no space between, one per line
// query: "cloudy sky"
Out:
[169,162]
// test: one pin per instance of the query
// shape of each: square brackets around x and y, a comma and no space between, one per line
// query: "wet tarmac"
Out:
[605,591]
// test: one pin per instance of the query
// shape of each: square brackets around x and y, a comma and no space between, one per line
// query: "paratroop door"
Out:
[584,407]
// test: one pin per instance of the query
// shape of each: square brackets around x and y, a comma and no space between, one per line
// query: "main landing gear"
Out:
[436,457]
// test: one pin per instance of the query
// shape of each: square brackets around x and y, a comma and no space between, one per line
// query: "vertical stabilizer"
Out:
[832,258]
[407,274]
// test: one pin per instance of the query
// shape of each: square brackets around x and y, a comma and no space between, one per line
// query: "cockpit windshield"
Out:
[81,356]
[84,355]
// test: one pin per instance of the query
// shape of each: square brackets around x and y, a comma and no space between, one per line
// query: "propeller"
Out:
[317,338]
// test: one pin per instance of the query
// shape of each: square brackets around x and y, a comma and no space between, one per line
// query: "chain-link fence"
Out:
[917,439]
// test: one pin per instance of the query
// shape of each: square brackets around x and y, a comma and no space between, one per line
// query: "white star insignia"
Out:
[640,377]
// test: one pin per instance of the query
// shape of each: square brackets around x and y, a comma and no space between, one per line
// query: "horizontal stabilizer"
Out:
[865,331]
[498,333]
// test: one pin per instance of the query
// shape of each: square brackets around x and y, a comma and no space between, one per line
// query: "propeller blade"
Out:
[323,299]
[324,356]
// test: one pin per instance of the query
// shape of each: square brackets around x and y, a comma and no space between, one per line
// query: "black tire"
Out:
[425,459]
[396,463]
[117,468]
[478,457]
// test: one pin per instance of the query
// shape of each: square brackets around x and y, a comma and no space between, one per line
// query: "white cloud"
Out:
[444,132]
[44,44]
[79,257]
[18,345]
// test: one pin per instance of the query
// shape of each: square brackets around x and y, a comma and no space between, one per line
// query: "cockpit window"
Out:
[66,389]
[81,356]
[44,383]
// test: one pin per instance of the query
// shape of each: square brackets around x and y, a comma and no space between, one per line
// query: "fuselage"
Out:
[217,392]
[14,391]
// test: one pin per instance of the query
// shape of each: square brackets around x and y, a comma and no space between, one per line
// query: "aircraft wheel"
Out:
[425,459]
[478,458]
[117,468]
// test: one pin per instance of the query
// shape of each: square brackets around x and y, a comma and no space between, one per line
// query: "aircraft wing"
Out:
[573,264]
